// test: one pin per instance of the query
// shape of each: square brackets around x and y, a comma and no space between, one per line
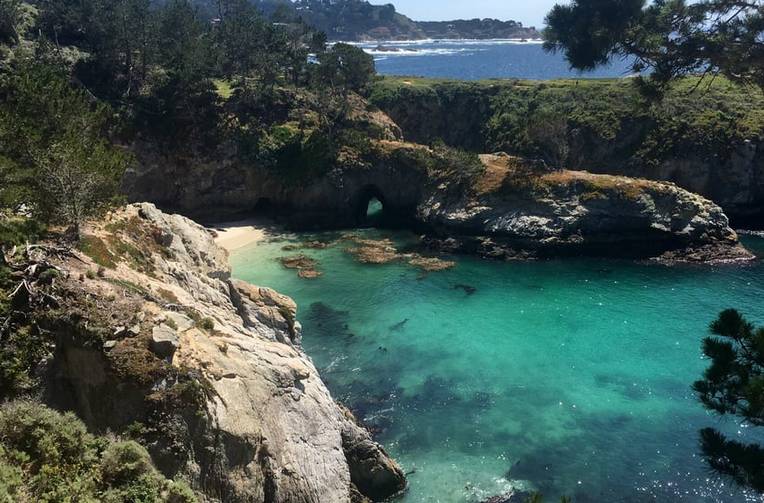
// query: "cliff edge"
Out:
[152,338]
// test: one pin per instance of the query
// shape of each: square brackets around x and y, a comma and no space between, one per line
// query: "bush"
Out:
[125,461]
[57,454]
[47,456]
[19,230]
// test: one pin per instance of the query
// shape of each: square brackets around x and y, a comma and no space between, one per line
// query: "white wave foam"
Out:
[447,41]
[420,52]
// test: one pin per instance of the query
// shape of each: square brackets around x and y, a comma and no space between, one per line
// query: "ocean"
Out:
[570,377]
[478,59]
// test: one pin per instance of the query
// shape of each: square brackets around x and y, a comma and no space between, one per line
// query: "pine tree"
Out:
[734,385]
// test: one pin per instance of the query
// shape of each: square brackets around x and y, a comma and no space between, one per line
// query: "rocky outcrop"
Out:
[507,208]
[217,190]
[709,142]
[216,373]
[498,208]
[518,209]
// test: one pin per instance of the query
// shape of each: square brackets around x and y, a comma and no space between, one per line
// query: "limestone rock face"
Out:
[274,432]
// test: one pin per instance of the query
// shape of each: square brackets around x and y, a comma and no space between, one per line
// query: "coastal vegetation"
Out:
[220,97]
[692,136]
[506,115]
[46,456]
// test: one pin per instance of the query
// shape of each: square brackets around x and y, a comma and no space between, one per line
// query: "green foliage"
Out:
[24,347]
[97,249]
[19,230]
[345,66]
[670,38]
[243,36]
[59,458]
[207,324]
[608,122]
[54,157]
[184,42]
[50,457]
[296,156]
[456,164]
[10,18]
[734,385]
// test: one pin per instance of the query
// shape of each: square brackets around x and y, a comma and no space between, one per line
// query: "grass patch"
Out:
[130,287]
[96,248]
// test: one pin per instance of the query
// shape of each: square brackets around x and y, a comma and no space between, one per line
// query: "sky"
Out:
[529,12]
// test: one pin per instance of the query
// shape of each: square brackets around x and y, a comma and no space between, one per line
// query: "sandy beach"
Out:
[235,235]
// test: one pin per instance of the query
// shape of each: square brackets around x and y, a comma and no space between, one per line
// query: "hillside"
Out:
[708,143]
[358,20]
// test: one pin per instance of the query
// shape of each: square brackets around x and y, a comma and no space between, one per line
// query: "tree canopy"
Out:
[55,157]
[734,385]
[667,38]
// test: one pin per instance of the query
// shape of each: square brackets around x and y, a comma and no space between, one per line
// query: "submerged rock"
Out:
[431,264]
[469,290]
[305,266]
[373,251]
[383,251]
[513,497]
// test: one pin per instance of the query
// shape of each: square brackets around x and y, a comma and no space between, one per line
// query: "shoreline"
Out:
[235,235]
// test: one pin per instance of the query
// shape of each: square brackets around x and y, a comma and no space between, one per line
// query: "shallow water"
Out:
[478,59]
[570,377]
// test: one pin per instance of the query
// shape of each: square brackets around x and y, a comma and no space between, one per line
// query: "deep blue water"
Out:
[478,59]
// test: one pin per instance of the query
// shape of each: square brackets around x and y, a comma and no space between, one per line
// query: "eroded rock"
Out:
[261,425]
[164,341]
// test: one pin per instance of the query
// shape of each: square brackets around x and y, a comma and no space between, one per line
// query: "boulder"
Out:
[164,341]
[181,321]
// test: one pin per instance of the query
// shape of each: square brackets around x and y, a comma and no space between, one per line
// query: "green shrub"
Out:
[125,461]
[24,347]
[179,492]
[606,122]
[19,230]
[207,324]
[47,456]
[57,454]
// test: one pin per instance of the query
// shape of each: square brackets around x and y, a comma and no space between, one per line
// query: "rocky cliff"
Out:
[517,209]
[706,140]
[504,206]
[152,338]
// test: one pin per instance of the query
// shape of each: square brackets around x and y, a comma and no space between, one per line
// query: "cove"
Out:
[565,376]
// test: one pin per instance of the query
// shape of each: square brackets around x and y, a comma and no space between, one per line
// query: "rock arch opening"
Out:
[371,208]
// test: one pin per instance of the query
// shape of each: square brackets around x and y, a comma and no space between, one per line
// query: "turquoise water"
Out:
[569,377]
